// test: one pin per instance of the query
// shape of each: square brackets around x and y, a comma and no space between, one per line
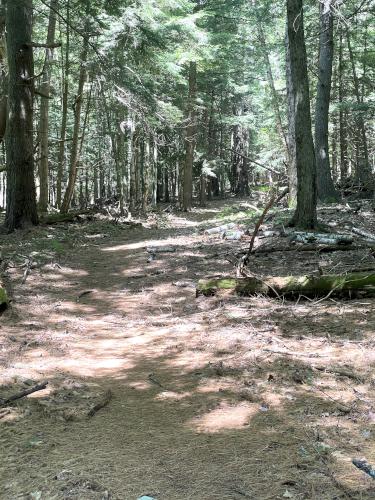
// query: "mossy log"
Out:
[57,218]
[310,286]
[4,301]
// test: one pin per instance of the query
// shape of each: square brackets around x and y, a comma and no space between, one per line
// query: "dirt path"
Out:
[212,398]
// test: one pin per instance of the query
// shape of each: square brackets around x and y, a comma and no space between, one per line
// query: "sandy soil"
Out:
[212,398]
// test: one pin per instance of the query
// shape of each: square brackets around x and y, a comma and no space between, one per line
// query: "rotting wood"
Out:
[323,238]
[102,404]
[160,249]
[22,394]
[66,217]
[310,286]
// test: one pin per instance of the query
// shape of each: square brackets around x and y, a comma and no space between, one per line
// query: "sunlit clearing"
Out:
[171,395]
[225,417]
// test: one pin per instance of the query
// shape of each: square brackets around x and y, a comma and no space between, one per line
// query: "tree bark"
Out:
[64,115]
[21,197]
[292,167]
[343,132]
[364,170]
[74,155]
[325,188]
[45,89]
[271,83]
[298,90]
[190,139]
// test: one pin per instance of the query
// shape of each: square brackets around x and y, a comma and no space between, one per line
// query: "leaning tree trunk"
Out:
[74,155]
[190,139]
[44,109]
[325,188]
[299,99]
[21,199]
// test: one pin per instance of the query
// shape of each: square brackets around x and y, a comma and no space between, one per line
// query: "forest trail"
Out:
[212,398]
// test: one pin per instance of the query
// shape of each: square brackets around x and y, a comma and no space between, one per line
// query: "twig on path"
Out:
[154,380]
[297,354]
[241,492]
[102,404]
[22,394]
[86,292]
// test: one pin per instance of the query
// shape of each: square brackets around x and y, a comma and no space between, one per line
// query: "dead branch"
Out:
[22,394]
[274,199]
[102,404]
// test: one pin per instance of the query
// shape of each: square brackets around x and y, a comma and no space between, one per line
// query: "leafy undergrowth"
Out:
[212,398]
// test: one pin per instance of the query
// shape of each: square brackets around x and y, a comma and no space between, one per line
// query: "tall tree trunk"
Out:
[305,214]
[64,115]
[325,188]
[292,167]
[74,155]
[343,132]
[21,198]
[146,173]
[44,110]
[364,170]
[3,79]
[271,83]
[190,139]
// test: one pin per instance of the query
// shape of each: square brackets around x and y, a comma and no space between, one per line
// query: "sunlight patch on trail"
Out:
[225,417]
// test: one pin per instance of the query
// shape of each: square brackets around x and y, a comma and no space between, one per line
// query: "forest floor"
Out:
[211,398]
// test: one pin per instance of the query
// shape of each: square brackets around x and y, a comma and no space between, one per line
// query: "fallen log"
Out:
[323,238]
[57,218]
[220,229]
[365,234]
[310,286]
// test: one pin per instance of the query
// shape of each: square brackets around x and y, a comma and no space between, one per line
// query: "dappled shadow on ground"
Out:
[212,397]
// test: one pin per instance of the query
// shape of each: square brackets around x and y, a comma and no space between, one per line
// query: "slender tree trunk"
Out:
[305,214]
[343,132]
[64,116]
[3,78]
[44,110]
[364,170]
[271,83]
[292,167]
[190,139]
[146,174]
[74,155]
[325,188]
[133,168]
[21,198]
